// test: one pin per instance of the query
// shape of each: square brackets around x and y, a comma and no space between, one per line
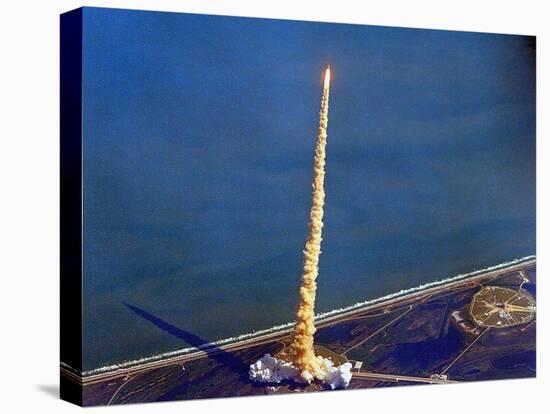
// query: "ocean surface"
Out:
[198,145]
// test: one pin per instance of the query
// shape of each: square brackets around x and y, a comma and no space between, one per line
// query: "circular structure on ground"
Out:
[499,307]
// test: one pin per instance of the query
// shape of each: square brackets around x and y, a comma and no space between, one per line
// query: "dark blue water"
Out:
[198,144]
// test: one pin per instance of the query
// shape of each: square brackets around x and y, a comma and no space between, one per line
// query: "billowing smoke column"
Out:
[302,351]
[304,365]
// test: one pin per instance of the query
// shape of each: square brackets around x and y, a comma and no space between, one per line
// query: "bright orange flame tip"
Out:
[327,77]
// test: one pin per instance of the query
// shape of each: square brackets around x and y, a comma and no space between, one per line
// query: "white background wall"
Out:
[29,193]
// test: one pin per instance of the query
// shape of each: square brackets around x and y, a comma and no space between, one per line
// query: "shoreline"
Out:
[270,334]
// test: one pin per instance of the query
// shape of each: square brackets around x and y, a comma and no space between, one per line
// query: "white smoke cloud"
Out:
[272,371]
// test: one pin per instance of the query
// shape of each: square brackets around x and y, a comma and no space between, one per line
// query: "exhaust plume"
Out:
[302,352]
[303,365]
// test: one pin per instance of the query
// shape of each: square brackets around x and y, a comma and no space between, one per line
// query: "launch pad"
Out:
[499,307]
[337,359]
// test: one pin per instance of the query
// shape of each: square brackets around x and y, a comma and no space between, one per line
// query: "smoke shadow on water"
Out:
[214,352]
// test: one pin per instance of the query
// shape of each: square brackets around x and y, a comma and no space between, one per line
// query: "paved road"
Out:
[396,378]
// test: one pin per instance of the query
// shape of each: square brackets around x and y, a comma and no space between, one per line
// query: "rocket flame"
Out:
[302,351]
